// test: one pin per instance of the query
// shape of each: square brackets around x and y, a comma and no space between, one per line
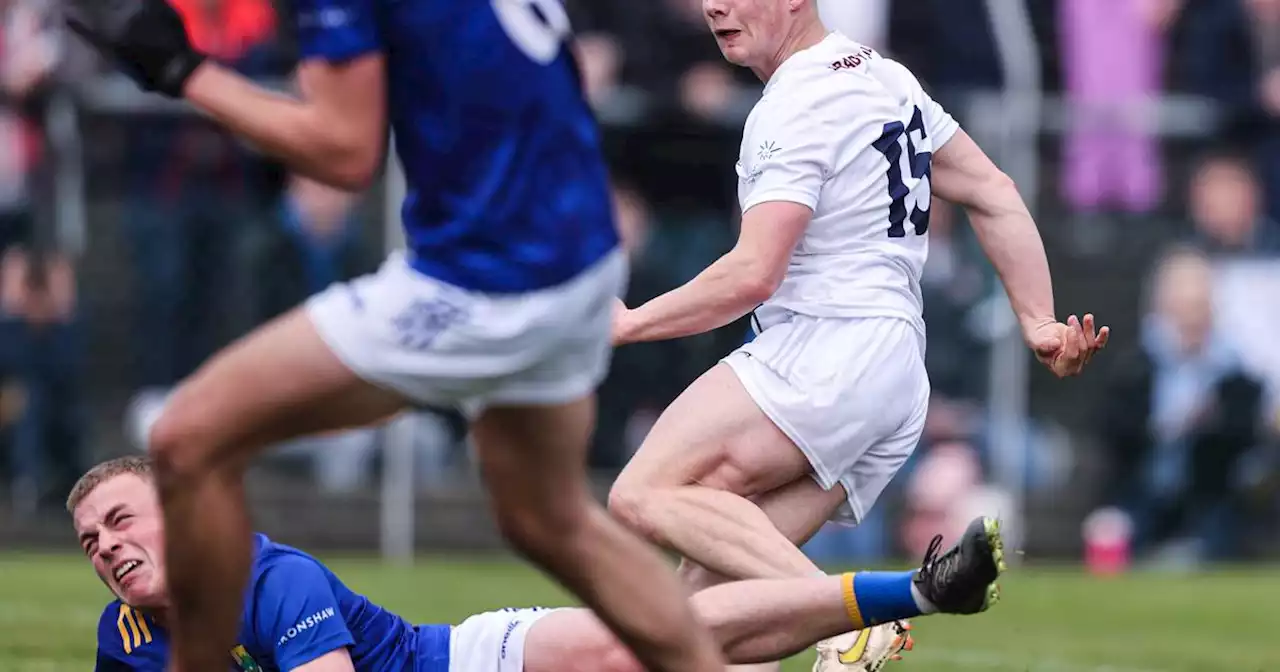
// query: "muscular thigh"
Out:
[575,640]
[279,382]
[715,435]
[798,509]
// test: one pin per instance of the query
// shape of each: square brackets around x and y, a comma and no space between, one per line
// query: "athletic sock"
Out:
[872,598]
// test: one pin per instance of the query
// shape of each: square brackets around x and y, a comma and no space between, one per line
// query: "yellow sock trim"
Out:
[851,601]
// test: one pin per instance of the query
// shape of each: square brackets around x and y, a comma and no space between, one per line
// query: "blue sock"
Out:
[884,596]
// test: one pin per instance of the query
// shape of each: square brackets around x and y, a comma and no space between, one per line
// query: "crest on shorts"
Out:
[423,320]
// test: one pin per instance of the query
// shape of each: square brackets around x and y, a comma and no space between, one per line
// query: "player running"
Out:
[299,616]
[501,308]
[810,420]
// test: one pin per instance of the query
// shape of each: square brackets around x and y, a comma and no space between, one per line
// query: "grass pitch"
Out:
[1046,621]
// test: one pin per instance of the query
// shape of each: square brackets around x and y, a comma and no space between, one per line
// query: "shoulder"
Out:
[122,629]
[831,86]
[109,613]
[116,617]
[276,564]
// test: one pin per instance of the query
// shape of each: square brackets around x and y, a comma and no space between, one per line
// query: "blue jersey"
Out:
[295,611]
[507,188]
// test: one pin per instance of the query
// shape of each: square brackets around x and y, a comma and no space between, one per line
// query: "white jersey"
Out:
[849,134]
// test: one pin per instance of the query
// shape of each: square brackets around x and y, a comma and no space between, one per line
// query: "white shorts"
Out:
[448,347]
[492,641]
[851,393]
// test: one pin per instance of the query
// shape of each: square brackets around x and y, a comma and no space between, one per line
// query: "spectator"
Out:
[952,285]
[1179,416]
[191,189]
[1226,209]
[1230,52]
[1113,54]
[29,53]
[683,70]
[634,380]
[42,350]
[39,339]
[600,59]
[313,241]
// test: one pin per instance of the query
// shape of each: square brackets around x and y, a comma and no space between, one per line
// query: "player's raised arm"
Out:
[963,174]
[335,132]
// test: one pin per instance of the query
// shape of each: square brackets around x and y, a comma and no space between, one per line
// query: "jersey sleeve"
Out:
[296,614]
[337,30]
[790,155]
[940,124]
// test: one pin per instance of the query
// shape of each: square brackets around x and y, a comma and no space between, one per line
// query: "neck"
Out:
[805,34]
[158,614]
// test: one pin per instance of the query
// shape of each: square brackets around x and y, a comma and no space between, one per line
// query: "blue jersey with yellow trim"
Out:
[507,187]
[296,610]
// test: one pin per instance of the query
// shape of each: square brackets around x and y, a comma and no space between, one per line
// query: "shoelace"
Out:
[935,565]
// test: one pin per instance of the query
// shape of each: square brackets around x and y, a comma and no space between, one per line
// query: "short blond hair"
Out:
[138,465]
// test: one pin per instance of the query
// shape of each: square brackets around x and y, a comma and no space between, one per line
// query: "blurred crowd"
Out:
[193,238]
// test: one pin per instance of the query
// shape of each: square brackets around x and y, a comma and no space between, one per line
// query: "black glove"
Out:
[144,38]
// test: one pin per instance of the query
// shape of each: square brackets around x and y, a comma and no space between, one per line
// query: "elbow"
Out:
[1002,189]
[354,168]
[757,291]
[344,158]
[757,284]
[1001,182]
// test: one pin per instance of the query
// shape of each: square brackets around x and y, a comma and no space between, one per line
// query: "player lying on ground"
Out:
[299,615]
[839,161]
[500,308]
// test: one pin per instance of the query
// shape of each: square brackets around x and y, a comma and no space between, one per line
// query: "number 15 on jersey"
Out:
[896,141]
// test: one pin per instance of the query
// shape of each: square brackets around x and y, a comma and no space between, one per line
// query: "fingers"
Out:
[1082,340]
[1090,339]
[1075,339]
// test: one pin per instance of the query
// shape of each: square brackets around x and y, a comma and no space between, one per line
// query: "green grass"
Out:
[1047,620]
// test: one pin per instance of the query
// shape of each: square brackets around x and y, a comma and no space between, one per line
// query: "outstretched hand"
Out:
[1066,348]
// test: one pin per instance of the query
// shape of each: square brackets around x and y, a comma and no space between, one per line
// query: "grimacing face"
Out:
[749,32]
[121,530]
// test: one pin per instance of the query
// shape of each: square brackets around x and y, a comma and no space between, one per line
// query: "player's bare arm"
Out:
[964,175]
[335,132]
[729,288]
[337,660]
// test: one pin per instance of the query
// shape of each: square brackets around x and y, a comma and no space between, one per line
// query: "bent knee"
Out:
[634,507]
[181,445]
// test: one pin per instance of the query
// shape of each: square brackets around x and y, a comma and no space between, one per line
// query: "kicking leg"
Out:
[533,462]
[687,486]
[278,383]
[753,621]
[770,619]
[798,510]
